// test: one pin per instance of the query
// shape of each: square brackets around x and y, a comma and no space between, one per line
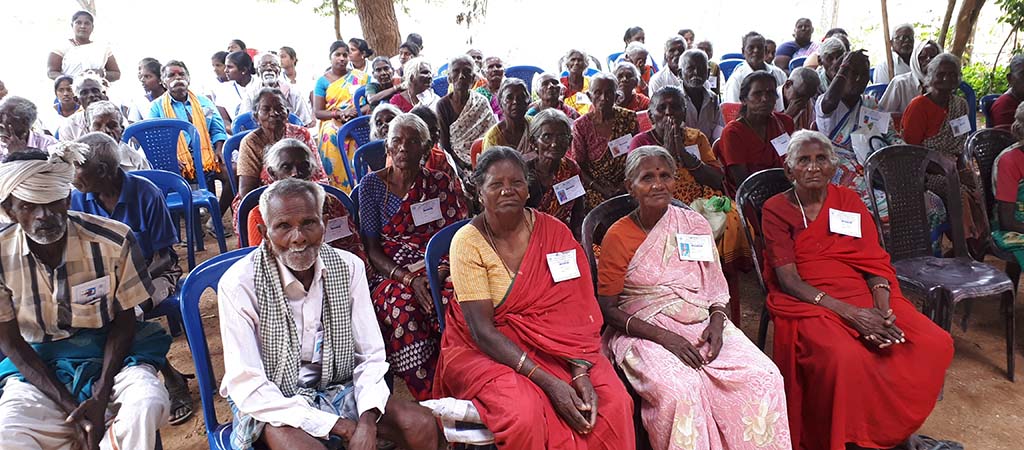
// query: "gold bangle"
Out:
[817,298]
[391,275]
[881,286]
[522,359]
[578,376]
[529,376]
[627,325]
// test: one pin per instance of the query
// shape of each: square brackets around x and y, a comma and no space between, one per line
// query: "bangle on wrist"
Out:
[578,376]
[627,325]
[529,376]
[522,359]
[817,298]
[391,274]
[881,286]
[698,166]
[718,311]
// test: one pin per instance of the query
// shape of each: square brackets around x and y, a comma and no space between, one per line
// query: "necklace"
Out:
[640,221]
[798,202]
[490,239]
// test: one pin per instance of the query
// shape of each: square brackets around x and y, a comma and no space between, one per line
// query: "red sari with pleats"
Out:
[552,322]
[840,388]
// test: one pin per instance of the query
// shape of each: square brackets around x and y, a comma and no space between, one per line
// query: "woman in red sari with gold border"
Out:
[524,348]
[862,367]
[400,208]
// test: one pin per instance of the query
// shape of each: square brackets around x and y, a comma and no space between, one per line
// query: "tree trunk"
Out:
[944,31]
[965,22]
[88,5]
[336,10]
[380,25]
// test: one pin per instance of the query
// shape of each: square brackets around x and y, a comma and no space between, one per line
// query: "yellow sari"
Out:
[339,95]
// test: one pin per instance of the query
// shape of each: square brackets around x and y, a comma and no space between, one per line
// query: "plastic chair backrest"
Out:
[750,198]
[369,156]
[525,73]
[204,277]
[984,146]
[169,182]
[341,196]
[589,72]
[871,74]
[245,208]
[475,149]
[437,247]
[354,197]
[902,170]
[359,130]
[440,85]
[359,100]
[797,62]
[158,139]
[729,65]
[245,122]
[986,109]
[230,146]
[731,56]
[443,70]
[972,104]
[596,223]
[876,90]
[612,58]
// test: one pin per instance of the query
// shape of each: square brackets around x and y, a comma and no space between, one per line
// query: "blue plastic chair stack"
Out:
[369,156]
[986,109]
[159,141]
[359,99]
[359,130]
[525,73]
[612,58]
[972,104]
[797,62]
[443,70]
[252,199]
[731,56]
[437,247]
[440,85]
[589,72]
[204,277]
[729,65]
[231,146]
[876,90]
[244,122]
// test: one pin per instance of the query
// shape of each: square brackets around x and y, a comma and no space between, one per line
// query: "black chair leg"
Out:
[1013,271]
[762,329]
[1009,308]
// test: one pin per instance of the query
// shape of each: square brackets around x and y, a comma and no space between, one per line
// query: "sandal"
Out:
[182,406]
[934,444]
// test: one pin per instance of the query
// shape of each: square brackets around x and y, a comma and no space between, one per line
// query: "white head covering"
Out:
[915,65]
[42,182]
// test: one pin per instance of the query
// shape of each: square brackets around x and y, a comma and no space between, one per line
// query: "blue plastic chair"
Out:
[172,183]
[341,196]
[204,277]
[359,130]
[612,58]
[731,56]
[355,204]
[443,70]
[440,85]
[369,156]
[871,74]
[159,141]
[876,90]
[436,248]
[972,104]
[589,72]
[252,199]
[986,108]
[244,121]
[797,62]
[359,100]
[230,146]
[525,73]
[729,65]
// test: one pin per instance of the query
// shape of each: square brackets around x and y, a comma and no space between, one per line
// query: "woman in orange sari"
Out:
[862,367]
[522,340]
[333,105]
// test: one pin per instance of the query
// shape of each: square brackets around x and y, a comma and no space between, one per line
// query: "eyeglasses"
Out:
[549,138]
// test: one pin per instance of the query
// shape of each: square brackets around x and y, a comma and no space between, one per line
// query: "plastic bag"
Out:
[714,209]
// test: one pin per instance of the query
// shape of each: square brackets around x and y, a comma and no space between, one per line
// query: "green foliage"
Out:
[1013,15]
[983,81]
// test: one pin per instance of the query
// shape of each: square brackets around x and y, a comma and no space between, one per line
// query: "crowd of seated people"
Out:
[334,303]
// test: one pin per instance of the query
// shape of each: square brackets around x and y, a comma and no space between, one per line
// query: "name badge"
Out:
[337,228]
[874,121]
[781,143]
[643,121]
[960,125]
[693,150]
[712,82]
[695,247]
[569,190]
[563,265]
[582,98]
[318,346]
[90,291]
[620,145]
[426,211]
[843,222]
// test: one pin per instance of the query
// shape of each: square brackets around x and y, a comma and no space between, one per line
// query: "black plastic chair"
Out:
[941,282]
[984,146]
[750,198]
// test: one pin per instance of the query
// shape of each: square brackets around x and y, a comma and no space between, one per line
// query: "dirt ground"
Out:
[981,408]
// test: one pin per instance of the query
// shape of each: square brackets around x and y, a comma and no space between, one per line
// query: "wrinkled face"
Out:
[495,70]
[753,51]
[813,168]
[90,91]
[627,79]
[381,122]
[653,184]
[271,113]
[176,81]
[831,62]
[675,49]
[82,27]
[553,140]
[339,59]
[602,94]
[404,55]
[13,135]
[639,59]
[478,58]
[108,124]
[695,72]
[860,76]
[382,72]
[268,64]
[294,163]
[903,41]
[218,69]
[667,111]
[926,55]
[295,230]
[461,75]
[946,77]
[65,94]
[422,80]
[43,224]
[514,101]
[504,188]
[287,61]
[803,30]
[550,88]
[577,63]
[90,176]
[761,99]
[706,47]
[406,148]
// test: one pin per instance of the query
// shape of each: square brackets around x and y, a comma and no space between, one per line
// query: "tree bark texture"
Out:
[944,31]
[380,25]
[965,22]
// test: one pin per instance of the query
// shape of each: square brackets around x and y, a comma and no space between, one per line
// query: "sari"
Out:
[542,195]
[1006,181]
[841,389]
[577,100]
[338,96]
[556,324]
[474,121]
[734,402]
[495,137]
[410,334]
[492,98]
[590,150]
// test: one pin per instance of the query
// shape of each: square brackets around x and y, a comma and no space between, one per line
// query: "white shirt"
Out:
[731,93]
[709,119]
[297,104]
[827,122]
[73,127]
[245,379]
[882,69]
[231,96]
[662,78]
[899,93]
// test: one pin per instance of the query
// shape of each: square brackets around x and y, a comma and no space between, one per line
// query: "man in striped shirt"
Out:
[69,283]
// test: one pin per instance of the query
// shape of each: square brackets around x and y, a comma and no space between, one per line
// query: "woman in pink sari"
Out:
[704,385]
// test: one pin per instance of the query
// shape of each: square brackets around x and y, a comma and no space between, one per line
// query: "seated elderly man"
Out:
[754,56]
[105,117]
[17,114]
[268,69]
[79,368]
[304,359]
[179,102]
[672,74]
[701,104]
[88,88]
[798,95]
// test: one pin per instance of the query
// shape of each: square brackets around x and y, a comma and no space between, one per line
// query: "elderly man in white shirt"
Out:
[753,53]
[304,359]
[671,75]
[268,67]
[902,42]
[702,110]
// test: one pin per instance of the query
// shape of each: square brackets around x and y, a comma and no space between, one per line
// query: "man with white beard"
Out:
[304,359]
[79,368]
[268,67]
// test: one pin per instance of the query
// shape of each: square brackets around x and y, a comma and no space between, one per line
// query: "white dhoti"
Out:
[31,420]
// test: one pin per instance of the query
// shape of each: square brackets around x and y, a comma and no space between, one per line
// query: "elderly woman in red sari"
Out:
[523,338]
[400,208]
[464,115]
[512,130]
[333,106]
[863,368]
[547,142]
[600,141]
[704,385]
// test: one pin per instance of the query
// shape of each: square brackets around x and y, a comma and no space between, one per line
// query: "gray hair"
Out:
[902,26]
[289,189]
[80,80]
[634,48]
[103,150]
[832,45]
[805,75]
[463,57]
[493,156]
[1016,65]
[272,156]
[691,53]
[21,111]
[508,83]
[373,117]
[411,68]
[258,98]
[1018,123]
[409,120]
[545,117]
[603,76]
[537,82]
[807,137]
[627,65]
[96,109]
[259,59]
[939,59]
[638,154]
[674,39]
